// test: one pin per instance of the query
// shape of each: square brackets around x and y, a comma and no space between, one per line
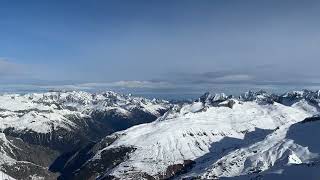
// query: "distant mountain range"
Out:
[80,135]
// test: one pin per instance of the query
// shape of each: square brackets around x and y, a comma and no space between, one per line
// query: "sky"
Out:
[167,46]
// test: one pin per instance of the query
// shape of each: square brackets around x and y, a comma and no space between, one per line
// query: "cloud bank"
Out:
[8,69]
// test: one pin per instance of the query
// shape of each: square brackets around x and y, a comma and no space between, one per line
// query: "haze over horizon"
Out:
[160,47]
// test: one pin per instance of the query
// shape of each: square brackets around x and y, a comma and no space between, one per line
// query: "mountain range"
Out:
[80,135]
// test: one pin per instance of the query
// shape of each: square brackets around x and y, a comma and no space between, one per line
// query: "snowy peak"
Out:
[209,99]
[312,97]
[308,94]
[81,100]
[259,96]
[263,97]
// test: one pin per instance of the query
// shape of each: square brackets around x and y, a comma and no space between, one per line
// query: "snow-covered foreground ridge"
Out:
[214,137]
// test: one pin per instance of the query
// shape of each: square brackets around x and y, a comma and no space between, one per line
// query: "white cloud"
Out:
[236,77]
[89,86]
[129,84]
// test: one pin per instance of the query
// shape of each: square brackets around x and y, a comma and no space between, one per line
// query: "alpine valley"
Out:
[79,135]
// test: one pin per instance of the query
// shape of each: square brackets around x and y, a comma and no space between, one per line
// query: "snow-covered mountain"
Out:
[72,135]
[37,128]
[217,136]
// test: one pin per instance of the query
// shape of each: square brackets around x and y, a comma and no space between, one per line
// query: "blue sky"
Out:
[160,45]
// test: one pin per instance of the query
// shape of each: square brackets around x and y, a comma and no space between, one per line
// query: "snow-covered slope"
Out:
[288,153]
[62,122]
[216,136]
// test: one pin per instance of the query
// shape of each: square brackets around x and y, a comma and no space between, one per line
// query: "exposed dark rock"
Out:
[178,169]
[311,119]
[109,158]
[30,160]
